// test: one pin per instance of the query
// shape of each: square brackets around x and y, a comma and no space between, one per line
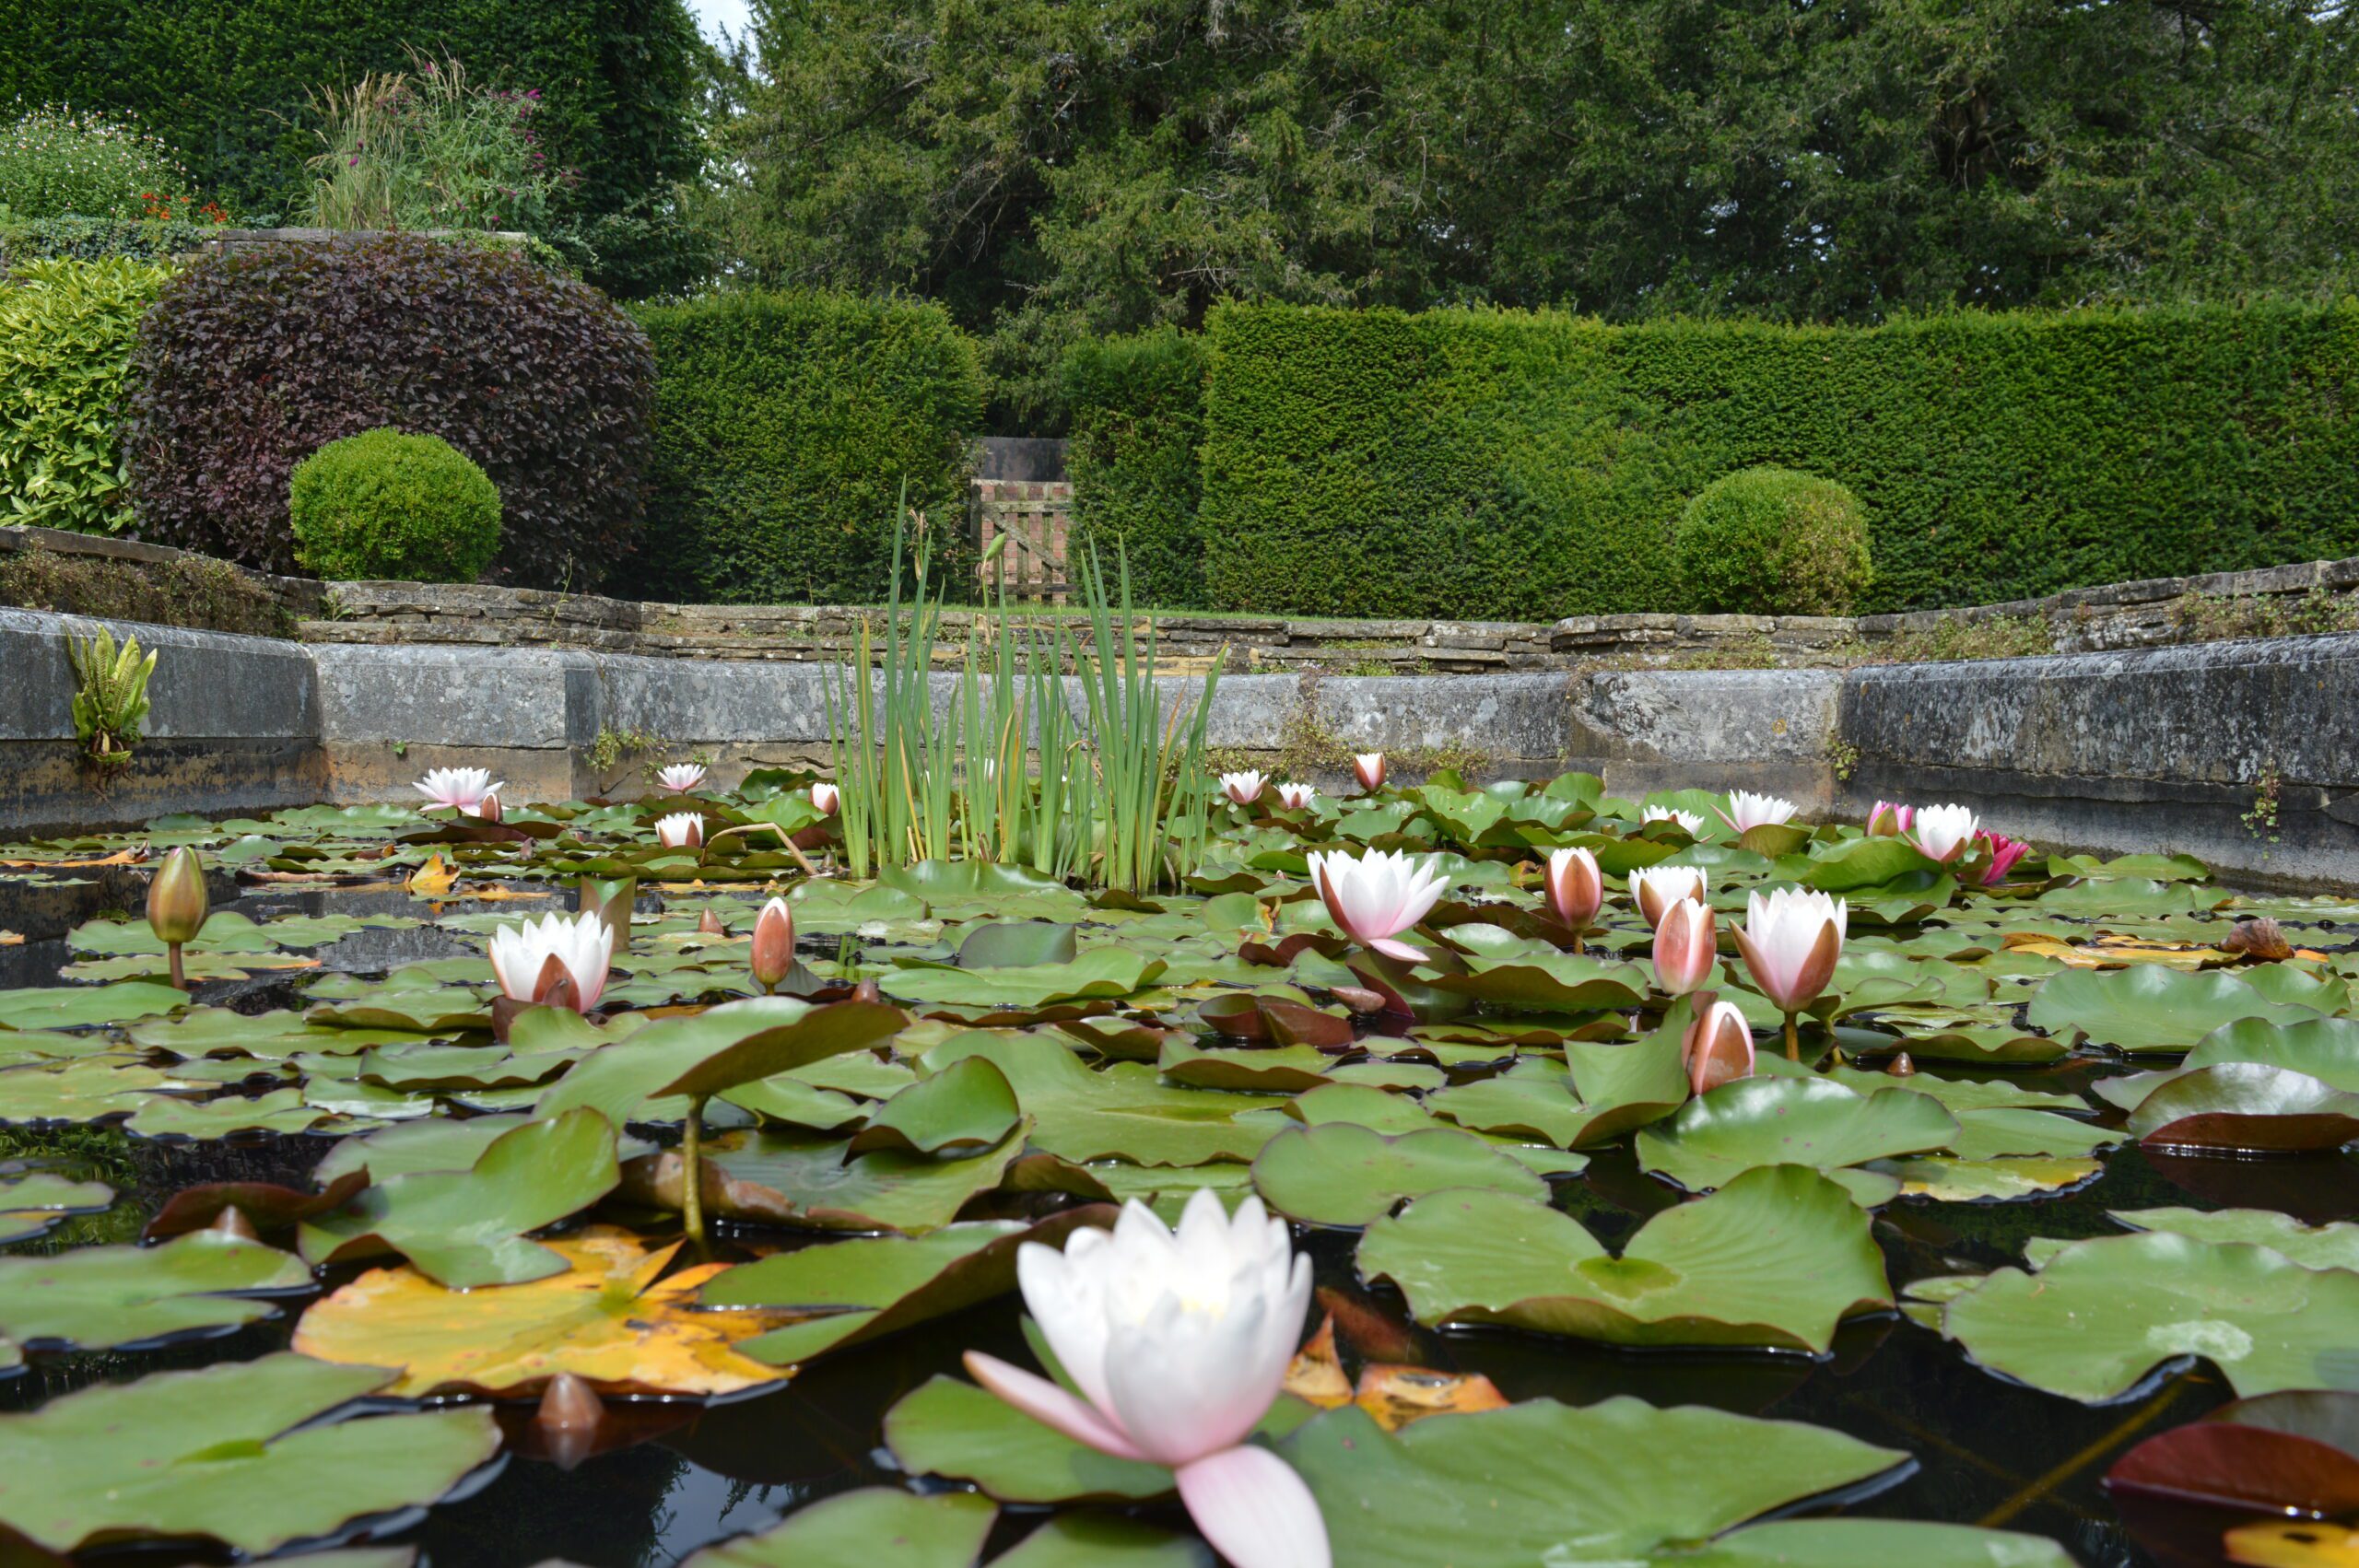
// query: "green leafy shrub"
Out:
[97,238]
[382,504]
[251,360]
[1772,541]
[66,331]
[1486,464]
[786,425]
[1138,417]
[58,161]
[110,696]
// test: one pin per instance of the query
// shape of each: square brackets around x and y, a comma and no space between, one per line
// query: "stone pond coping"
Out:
[2162,749]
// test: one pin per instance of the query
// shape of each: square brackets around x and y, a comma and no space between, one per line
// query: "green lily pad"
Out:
[30,1204]
[97,1298]
[1278,1068]
[1628,1086]
[1945,1179]
[1775,1121]
[781,1178]
[1013,944]
[968,1106]
[1555,982]
[230,1452]
[875,1526]
[1868,1543]
[1102,1540]
[1534,1099]
[171,1116]
[1341,1175]
[1959,1093]
[1120,1111]
[418,1010]
[2248,1107]
[466,1228]
[878,1285]
[2333,1246]
[2148,1007]
[1540,1482]
[80,1007]
[1778,1257]
[2103,1314]
[86,1089]
[737,1044]
[1102,973]
[2012,1132]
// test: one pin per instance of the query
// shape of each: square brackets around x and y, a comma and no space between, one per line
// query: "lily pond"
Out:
[1989,1208]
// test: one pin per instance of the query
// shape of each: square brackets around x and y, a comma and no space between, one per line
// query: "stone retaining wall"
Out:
[2177,749]
[2319,596]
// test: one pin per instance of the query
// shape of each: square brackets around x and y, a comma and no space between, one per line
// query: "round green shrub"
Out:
[1773,541]
[382,504]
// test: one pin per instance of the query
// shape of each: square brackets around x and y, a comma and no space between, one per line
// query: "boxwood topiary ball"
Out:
[1773,541]
[382,504]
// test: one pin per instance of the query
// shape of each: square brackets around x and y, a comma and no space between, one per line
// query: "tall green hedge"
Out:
[1138,417]
[224,82]
[785,426]
[1485,463]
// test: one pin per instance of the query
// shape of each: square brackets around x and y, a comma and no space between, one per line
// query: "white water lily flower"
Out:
[1944,833]
[1178,1342]
[461,788]
[1243,787]
[1747,811]
[1692,821]
[681,830]
[1657,888]
[531,960]
[1297,797]
[825,798]
[1790,940]
[680,777]
[1376,897]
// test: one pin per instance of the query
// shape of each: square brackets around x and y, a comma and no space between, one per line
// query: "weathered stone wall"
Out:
[2238,752]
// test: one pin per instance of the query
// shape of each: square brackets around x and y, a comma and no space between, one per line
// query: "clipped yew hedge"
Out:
[1529,465]
[1138,417]
[251,360]
[787,425]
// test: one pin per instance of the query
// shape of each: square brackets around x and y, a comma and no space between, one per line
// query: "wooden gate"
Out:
[1032,515]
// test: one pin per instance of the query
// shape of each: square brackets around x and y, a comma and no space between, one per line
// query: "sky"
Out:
[713,15]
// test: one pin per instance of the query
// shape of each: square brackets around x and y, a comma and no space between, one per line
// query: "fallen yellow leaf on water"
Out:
[1393,1396]
[2293,1544]
[605,1320]
[2116,953]
[496,893]
[12,938]
[433,878]
[120,858]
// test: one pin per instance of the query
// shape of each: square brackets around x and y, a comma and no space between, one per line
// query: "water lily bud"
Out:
[1684,943]
[1368,768]
[1576,890]
[826,797]
[773,944]
[232,1222]
[489,809]
[1900,1066]
[1657,888]
[1791,941]
[612,897]
[709,924]
[2263,939]
[1718,1046]
[177,904]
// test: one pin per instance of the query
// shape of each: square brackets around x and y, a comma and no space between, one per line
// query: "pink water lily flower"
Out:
[1718,1047]
[462,788]
[1997,855]
[1657,888]
[680,777]
[1576,887]
[1297,797]
[681,830]
[1368,768]
[1376,897]
[825,798]
[1684,947]
[1693,824]
[1944,833]
[1790,940]
[1178,1342]
[1747,811]
[1890,819]
[560,962]
[1242,788]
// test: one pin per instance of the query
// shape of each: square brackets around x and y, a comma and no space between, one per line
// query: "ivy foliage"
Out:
[66,331]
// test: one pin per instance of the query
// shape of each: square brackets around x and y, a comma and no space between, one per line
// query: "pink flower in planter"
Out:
[1178,1342]
[1684,947]
[1376,897]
